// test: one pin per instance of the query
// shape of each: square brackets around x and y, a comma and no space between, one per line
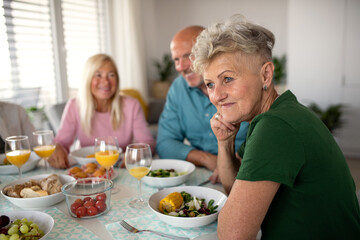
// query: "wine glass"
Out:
[106,152]
[138,163]
[17,150]
[45,144]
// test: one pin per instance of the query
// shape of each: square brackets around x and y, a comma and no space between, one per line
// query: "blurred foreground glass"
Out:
[17,150]
[106,152]
[45,144]
[138,163]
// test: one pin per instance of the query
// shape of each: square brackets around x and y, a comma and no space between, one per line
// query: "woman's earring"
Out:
[265,87]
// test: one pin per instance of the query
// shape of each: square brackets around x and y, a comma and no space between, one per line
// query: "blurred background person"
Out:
[293,181]
[188,110]
[99,110]
[14,121]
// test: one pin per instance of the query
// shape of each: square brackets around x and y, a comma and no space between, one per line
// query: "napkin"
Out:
[66,228]
[153,223]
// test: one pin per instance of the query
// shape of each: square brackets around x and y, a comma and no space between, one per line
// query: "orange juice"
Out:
[107,158]
[18,157]
[44,151]
[139,172]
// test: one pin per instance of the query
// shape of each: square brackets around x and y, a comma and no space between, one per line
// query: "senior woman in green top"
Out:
[293,181]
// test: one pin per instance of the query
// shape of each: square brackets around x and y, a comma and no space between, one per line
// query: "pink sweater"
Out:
[133,128]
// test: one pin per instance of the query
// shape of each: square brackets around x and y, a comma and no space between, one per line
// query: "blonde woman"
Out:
[99,110]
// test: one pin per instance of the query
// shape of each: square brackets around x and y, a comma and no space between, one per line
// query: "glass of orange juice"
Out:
[106,152]
[17,150]
[138,163]
[45,144]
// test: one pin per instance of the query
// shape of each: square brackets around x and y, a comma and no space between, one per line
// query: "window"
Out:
[44,44]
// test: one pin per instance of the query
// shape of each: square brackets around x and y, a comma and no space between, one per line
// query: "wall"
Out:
[313,34]
[322,60]
[163,18]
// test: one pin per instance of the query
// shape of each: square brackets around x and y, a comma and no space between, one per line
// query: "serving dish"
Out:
[88,197]
[188,222]
[179,166]
[44,221]
[86,155]
[37,202]
[11,169]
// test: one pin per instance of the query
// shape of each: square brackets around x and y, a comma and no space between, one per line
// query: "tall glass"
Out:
[45,144]
[138,162]
[106,152]
[17,150]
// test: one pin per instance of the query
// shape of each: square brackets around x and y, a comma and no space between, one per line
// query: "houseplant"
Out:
[279,73]
[165,69]
[331,116]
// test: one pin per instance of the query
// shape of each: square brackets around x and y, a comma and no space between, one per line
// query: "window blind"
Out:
[84,33]
[29,69]
[30,51]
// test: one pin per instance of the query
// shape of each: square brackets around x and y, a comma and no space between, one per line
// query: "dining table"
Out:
[107,226]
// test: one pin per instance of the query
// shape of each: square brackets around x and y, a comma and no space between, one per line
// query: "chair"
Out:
[54,113]
[152,110]
[136,94]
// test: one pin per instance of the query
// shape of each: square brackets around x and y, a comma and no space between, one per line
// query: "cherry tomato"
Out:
[88,204]
[100,205]
[75,206]
[92,211]
[101,197]
[80,201]
[87,199]
[81,212]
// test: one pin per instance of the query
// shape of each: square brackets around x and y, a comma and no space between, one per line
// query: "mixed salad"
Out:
[165,173]
[193,207]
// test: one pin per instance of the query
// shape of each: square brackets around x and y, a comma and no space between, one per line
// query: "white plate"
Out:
[11,169]
[177,165]
[188,222]
[39,202]
[80,155]
[43,220]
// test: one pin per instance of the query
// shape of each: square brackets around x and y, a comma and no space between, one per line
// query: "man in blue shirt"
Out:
[188,111]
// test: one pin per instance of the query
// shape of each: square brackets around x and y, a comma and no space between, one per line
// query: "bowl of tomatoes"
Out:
[88,197]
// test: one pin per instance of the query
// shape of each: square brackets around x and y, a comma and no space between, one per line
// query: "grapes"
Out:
[24,228]
[4,220]
[20,229]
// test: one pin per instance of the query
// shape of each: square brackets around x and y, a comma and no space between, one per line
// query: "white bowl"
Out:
[44,221]
[11,169]
[38,202]
[177,165]
[80,155]
[188,222]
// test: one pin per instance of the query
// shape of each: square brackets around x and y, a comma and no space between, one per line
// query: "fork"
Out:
[135,230]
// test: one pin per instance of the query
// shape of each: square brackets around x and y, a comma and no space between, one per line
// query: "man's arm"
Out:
[203,159]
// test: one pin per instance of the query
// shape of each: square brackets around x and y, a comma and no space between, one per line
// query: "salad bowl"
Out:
[195,191]
[183,168]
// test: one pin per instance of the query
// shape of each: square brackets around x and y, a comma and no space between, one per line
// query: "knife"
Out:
[205,182]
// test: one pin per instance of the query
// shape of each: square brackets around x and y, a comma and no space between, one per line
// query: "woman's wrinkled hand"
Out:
[223,130]
[59,158]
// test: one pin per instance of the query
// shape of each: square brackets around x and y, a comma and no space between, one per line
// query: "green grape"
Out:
[24,228]
[14,237]
[34,231]
[24,220]
[17,221]
[3,237]
[13,229]
[34,225]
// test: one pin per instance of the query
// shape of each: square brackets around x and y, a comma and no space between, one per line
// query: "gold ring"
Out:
[217,116]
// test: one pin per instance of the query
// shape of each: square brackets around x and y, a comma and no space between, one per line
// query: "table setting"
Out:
[81,214]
